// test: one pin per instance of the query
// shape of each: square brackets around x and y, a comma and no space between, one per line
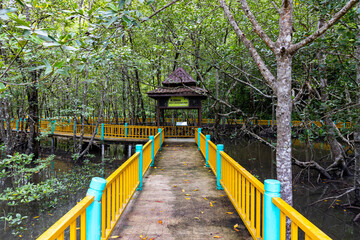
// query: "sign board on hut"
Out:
[178,102]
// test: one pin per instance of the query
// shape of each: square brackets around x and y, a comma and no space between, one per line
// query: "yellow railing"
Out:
[68,221]
[297,221]
[119,189]
[245,192]
[202,144]
[212,157]
[179,131]
[247,195]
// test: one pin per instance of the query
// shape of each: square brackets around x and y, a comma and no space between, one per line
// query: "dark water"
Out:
[39,219]
[328,215]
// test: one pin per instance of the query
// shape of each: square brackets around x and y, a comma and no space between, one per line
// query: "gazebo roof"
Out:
[178,83]
[179,77]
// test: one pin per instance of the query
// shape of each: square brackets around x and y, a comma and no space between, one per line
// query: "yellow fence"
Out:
[68,222]
[247,195]
[119,189]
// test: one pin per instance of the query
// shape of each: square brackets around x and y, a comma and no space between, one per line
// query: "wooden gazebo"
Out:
[179,91]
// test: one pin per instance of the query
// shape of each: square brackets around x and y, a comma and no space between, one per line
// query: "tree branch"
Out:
[269,77]
[257,28]
[294,47]
[161,9]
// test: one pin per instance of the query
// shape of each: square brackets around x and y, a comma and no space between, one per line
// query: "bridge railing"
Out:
[117,192]
[247,195]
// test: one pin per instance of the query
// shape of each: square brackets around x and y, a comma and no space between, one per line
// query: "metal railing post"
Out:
[271,212]
[126,130]
[102,132]
[199,140]
[219,148]
[139,148]
[93,212]
[151,138]
[207,150]
[159,130]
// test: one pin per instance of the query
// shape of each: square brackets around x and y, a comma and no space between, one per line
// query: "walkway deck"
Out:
[179,200]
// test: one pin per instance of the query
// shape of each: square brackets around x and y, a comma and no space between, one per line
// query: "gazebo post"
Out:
[158,114]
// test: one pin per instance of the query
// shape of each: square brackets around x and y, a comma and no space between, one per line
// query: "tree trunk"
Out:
[283,117]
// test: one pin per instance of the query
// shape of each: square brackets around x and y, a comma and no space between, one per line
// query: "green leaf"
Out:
[37,68]
[20,2]
[49,68]
[121,4]
[70,48]
[49,44]
[111,21]
[62,72]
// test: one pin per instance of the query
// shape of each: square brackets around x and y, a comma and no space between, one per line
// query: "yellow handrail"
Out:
[57,231]
[297,221]
[245,192]
[212,157]
[120,187]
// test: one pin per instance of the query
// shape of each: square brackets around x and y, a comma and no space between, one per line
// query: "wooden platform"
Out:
[180,201]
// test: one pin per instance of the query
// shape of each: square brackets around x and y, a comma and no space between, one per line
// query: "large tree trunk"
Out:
[283,117]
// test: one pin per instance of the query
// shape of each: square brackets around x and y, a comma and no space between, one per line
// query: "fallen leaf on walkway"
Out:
[229,212]
[202,212]
[197,218]
[187,194]
[174,186]
[187,198]
[162,169]
[49,214]
[114,236]
[213,201]
[183,190]
[209,170]
[185,164]
[235,227]
[211,205]
[160,222]
[205,198]
[217,236]
[36,217]
[195,190]
[185,173]
[155,167]
[143,238]
[152,239]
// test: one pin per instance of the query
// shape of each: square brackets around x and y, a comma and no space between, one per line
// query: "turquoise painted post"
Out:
[151,138]
[139,148]
[17,125]
[93,212]
[220,147]
[208,121]
[199,131]
[344,125]
[271,212]
[268,123]
[74,125]
[159,130]
[207,150]
[102,132]
[52,127]
[221,121]
[126,130]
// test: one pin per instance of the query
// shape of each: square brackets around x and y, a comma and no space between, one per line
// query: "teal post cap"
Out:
[199,129]
[159,130]
[151,138]
[138,147]
[272,185]
[96,188]
[125,124]
[220,147]
[207,137]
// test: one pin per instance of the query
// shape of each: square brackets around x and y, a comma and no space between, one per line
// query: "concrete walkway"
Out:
[180,201]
